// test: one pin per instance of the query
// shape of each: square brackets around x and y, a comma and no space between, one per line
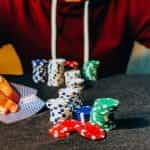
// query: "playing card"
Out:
[24,90]
[28,106]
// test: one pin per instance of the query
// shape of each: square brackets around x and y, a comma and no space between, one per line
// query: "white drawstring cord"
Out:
[86,31]
[53,29]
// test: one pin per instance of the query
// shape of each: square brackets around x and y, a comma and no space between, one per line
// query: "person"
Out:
[113,27]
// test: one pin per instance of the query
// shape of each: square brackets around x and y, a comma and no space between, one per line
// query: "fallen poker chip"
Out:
[70,124]
[106,103]
[71,64]
[63,128]
[55,132]
[90,131]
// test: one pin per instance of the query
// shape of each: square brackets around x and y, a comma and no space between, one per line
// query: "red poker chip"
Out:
[56,132]
[90,131]
[71,64]
[69,124]
[63,128]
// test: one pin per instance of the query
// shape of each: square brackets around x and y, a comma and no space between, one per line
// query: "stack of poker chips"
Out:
[102,113]
[71,96]
[90,70]
[59,110]
[39,70]
[62,107]
[56,72]
[73,79]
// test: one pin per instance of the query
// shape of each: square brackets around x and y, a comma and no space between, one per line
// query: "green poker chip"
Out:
[102,113]
[106,103]
[89,70]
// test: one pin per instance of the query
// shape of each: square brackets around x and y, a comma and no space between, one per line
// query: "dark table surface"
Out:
[132,118]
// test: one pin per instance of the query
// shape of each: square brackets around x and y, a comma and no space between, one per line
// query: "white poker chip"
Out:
[72,96]
[72,74]
[56,116]
[58,102]
[56,72]
[39,70]
[59,110]
[76,82]
[69,91]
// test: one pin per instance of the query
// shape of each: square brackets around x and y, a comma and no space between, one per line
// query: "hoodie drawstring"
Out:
[86,31]
[54,30]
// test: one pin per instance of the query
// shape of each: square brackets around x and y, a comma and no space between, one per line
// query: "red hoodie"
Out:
[114,25]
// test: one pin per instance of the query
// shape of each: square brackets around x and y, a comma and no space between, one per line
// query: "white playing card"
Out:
[28,107]
[24,90]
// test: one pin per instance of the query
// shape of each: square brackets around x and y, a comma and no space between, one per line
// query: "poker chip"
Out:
[69,124]
[71,96]
[63,114]
[59,110]
[39,70]
[71,75]
[56,72]
[71,93]
[55,103]
[83,109]
[90,70]
[90,131]
[98,119]
[56,132]
[73,79]
[71,64]
[102,113]
[106,103]
[63,128]
[76,83]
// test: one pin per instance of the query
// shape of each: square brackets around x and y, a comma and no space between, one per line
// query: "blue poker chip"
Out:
[83,109]
[37,62]
[39,70]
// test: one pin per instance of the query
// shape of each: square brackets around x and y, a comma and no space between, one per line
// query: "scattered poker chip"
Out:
[71,75]
[76,83]
[63,128]
[55,72]
[56,132]
[69,124]
[83,109]
[72,97]
[55,103]
[102,113]
[39,70]
[73,79]
[90,131]
[106,103]
[90,70]
[59,110]
[71,64]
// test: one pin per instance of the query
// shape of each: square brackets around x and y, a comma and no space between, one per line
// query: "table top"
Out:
[132,118]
